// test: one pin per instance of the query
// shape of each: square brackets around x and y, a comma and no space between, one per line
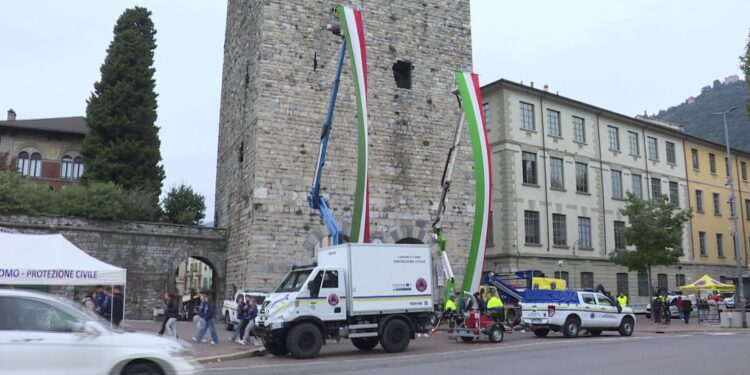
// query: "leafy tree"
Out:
[745,66]
[122,145]
[655,228]
[184,206]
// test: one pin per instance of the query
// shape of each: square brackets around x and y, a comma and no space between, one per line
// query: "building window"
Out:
[529,168]
[66,168]
[582,178]
[486,112]
[635,148]
[553,117]
[679,280]
[671,153]
[643,285]
[559,230]
[694,156]
[655,187]
[653,149]
[717,204]
[699,200]
[619,238]
[662,282]
[35,165]
[743,171]
[637,185]
[584,232]
[77,168]
[616,184]
[702,243]
[527,116]
[22,164]
[614,138]
[712,162]
[556,173]
[579,129]
[562,275]
[747,209]
[531,224]
[720,244]
[674,193]
[587,280]
[622,283]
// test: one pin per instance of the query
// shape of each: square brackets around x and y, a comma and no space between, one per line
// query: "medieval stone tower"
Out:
[279,64]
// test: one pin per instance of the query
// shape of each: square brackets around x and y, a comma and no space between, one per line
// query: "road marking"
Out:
[721,333]
[427,355]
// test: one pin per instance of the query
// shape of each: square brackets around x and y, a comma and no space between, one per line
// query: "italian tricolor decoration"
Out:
[351,26]
[471,100]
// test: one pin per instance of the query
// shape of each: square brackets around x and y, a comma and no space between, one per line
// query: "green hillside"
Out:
[697,119]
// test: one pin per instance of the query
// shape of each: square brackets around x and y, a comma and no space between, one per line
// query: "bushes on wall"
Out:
[97,200]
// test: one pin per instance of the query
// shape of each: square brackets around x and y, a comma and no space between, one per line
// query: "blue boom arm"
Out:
[315,200]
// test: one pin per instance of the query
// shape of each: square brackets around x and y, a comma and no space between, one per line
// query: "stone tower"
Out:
[279,63]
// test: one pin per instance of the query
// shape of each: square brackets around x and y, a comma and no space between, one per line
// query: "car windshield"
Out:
[293,281]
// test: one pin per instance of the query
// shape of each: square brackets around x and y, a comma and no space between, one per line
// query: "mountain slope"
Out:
[696,116]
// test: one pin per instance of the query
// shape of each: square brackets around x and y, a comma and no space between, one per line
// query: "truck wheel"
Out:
[496,333]
[228,322]
[595,332]
[626,326]
[304,341]
[572,327]
[541,332]
[365,343]
[396,336]
[277,349]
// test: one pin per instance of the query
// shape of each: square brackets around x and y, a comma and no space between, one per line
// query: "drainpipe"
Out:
[687,180]
[546,193]
[645,160]
[601,179]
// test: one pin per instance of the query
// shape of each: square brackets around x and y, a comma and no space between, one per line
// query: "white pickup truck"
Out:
[569,311]
[229,308]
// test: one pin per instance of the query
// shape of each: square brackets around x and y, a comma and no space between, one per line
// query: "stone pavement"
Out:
[204,352]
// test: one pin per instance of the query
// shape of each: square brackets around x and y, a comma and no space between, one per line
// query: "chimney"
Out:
[546,87]
[532,84]
[11,115]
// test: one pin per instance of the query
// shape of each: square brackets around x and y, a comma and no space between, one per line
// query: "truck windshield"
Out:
[293,281]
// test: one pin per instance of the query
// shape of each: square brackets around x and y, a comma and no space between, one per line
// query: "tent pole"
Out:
[124,294]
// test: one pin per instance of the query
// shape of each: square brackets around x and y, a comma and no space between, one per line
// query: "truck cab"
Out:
[345,295]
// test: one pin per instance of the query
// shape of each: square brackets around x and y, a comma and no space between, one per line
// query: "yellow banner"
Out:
[548,283]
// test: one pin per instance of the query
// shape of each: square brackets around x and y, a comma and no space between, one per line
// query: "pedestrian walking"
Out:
[171,313]
[252,313]
[241,315]
[665,306]
[208,314]
[678,304]
[687,308]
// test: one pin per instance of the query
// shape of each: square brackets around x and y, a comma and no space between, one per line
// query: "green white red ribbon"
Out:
[351,25]
[471,100]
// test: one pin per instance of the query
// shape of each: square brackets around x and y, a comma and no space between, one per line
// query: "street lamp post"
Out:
[740,294]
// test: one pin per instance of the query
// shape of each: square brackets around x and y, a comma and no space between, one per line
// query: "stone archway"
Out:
[418,233]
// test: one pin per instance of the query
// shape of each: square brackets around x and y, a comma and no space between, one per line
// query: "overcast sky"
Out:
[626,56]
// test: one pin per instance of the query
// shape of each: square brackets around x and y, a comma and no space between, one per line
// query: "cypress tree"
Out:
[122,145]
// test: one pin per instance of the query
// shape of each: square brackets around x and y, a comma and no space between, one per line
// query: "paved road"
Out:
[681,354]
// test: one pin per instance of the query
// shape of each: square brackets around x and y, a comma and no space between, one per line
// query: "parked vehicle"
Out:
[570,311]
[370,293]
[42,334]
[229,307]
[472,325]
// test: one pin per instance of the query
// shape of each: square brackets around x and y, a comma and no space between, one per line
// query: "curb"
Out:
[675,332]
[228,357]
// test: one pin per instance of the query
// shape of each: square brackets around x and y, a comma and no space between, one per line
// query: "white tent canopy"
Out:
[50,259]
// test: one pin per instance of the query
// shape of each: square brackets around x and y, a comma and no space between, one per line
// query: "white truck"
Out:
[229,308]
[569,311]
[370,293]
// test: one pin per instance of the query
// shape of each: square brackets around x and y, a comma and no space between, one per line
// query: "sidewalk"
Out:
[204,352]
[675,326]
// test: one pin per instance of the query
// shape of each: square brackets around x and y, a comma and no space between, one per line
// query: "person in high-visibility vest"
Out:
[622,299]
[495,307]
[450,306]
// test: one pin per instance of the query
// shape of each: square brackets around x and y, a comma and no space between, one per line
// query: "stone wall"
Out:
[279,64]
[151,252]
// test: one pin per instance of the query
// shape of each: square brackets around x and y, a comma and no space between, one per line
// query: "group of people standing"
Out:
[661,312]
[105,302]
[247,311]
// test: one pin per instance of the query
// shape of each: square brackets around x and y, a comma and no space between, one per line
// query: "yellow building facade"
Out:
[707,175]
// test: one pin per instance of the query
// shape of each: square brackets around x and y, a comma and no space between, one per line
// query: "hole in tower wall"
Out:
[402,74]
